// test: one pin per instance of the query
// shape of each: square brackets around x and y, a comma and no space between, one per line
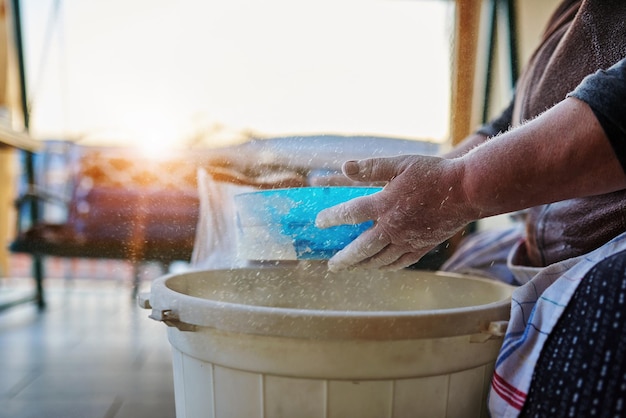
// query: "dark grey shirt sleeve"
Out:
[500,124]
[605,92]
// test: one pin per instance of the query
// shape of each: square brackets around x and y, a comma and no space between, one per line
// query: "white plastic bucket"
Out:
[301,342]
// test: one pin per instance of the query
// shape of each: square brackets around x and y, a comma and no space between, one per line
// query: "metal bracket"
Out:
[495,329]
[143,300]
[171,320]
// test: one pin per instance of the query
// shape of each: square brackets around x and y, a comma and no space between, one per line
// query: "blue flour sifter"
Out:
[279,224]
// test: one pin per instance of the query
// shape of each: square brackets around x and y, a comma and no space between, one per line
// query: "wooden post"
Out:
[467,25]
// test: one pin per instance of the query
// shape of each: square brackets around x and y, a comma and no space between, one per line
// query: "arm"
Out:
[564,153]
[587,135]
[469,143]
[502,123]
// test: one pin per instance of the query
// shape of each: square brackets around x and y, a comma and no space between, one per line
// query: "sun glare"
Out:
[154,133]
[280,67]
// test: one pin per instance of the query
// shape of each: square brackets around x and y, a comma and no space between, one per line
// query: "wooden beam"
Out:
[467,25]
[15,139]
[9,82]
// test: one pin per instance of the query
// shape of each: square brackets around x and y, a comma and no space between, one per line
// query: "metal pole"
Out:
[29,157]
[491,44]
[19,44]
[513,56]
[508,14]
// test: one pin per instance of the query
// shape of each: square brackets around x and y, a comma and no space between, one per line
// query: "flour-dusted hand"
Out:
[428,199]
[421,205]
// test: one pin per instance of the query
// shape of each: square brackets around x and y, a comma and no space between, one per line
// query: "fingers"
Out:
[405,261]
[332,180]
[352,212]
[389,258]
[362,248]
[341,180]
[388,255]
[371,169]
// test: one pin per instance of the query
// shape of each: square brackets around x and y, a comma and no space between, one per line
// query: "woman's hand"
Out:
[562,154]
[421,205]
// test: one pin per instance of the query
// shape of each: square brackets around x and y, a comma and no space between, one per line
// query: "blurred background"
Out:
[157,71]
[159,75]
[112,105]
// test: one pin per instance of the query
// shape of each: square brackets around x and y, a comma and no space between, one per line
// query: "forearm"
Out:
[469,143]
[562,154]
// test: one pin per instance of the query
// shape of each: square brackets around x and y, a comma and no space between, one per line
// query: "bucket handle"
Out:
[495,329]
[143,300]
[167,316]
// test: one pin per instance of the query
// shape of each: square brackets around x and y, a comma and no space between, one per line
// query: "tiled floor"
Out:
[93,353]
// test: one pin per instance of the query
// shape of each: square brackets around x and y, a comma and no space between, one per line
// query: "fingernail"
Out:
[333,267]
[319,221]
[351,168]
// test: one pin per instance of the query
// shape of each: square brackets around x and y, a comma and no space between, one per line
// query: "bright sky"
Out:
[160,70]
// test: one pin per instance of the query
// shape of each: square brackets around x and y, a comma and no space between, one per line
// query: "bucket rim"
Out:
[328,323]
